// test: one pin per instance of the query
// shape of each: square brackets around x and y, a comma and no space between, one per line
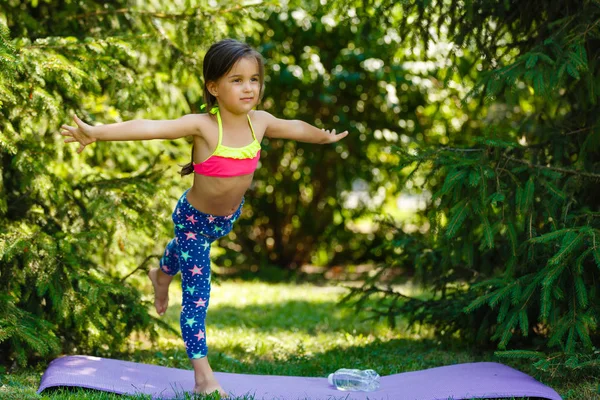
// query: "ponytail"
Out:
[211,102]
[189,167]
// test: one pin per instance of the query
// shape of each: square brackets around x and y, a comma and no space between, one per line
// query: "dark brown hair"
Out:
[218,61]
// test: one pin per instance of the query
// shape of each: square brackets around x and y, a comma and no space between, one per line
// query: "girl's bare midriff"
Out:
[218,196]
[213,195]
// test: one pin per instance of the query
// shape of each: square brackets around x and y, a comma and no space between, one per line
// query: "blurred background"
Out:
[463,201]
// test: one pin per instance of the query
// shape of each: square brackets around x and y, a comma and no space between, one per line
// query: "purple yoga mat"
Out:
[460,381]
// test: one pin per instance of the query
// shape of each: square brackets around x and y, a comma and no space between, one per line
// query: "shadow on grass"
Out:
[389,357]
[275,274]
[274,315]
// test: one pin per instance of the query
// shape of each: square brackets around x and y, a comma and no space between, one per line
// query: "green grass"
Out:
[285,329]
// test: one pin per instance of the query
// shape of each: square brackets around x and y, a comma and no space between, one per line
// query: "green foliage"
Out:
[76,229]
[323,69]
[511,253]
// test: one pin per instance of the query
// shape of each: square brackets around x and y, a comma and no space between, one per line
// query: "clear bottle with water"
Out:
[355,380]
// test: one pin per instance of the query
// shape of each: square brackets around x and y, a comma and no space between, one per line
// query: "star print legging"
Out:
[188,253]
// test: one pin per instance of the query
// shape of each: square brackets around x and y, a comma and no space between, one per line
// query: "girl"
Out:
[223,163]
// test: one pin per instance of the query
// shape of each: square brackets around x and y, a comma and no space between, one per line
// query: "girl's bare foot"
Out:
[209,387]
[161,289]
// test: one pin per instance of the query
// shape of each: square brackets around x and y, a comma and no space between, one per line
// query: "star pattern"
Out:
[196,270]
[200,303]
[190,235]
[185,255]
[190,290]
[189,254]
[200,334]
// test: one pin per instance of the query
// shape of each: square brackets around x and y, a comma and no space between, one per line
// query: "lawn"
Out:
[287,329]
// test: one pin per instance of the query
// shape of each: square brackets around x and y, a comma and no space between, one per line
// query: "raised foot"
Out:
[161,292]
[209,387]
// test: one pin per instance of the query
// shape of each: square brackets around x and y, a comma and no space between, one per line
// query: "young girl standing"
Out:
[225,154]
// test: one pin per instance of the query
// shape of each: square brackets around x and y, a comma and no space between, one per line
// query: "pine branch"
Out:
[557,169]
[141,266]
[189,58]
[101,40]
[155,14]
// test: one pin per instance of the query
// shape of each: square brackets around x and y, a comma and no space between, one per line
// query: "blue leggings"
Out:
[188,253]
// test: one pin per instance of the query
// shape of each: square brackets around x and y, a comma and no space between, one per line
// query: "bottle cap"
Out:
[330,379]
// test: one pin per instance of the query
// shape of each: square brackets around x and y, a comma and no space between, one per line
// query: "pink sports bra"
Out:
[230,161]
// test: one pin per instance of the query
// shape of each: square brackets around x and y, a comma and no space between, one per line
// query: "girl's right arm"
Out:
[139,129]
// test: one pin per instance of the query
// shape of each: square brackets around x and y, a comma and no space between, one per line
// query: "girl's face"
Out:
[238,90]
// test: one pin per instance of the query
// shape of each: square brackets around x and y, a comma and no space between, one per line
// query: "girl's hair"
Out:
[218,61]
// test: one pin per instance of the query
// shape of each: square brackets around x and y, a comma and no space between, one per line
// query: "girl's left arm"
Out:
[298,130]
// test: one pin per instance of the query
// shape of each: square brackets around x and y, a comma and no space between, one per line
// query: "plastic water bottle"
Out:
[355,380]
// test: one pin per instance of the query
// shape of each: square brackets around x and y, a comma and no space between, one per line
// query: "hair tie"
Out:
[213,110]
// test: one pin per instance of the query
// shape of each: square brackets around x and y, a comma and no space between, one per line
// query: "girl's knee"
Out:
[168,270]
[169,262]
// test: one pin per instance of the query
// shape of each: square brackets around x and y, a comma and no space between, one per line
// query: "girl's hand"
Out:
[82,133]
[333,137]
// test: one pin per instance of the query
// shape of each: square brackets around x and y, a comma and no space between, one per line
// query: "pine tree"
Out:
[74,227]
[512,253]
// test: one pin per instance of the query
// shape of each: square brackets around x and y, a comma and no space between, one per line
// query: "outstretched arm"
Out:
[298,130]
[139,129]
